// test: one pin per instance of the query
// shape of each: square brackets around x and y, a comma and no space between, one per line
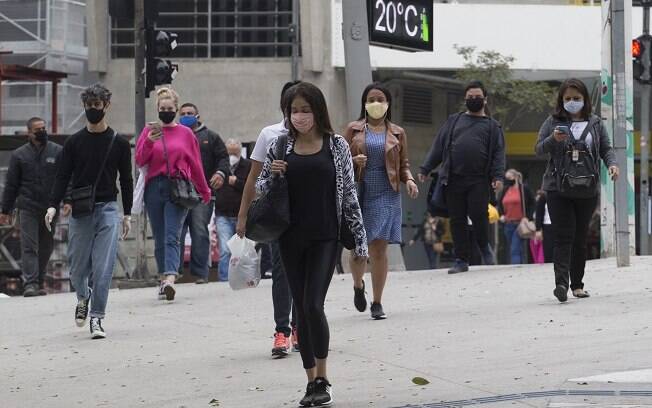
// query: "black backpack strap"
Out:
[452,132]
[106,158]
[586,132]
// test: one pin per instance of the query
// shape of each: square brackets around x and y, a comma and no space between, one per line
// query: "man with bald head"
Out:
[227,203]
[31,174]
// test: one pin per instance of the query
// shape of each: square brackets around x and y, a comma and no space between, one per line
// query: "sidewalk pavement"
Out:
[494,336]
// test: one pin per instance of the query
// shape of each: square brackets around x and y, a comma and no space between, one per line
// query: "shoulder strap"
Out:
[165,154]
[281,147]
[106,158]
[452,132]
[586,131]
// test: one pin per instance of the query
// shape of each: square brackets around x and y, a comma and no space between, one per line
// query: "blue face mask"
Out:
[188,120]
[573,106]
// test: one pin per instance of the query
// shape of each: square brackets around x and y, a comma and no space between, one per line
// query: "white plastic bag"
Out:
[139,192]
[244,268]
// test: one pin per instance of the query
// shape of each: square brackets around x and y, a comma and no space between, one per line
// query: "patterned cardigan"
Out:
[346,199]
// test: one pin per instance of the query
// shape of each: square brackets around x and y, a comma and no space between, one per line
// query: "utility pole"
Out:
[645,156]
[140,271]
[621,81]
[355,33]
[294,36]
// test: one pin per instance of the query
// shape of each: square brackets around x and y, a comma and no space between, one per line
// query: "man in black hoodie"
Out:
[215,160]
[31,174]
[470,152]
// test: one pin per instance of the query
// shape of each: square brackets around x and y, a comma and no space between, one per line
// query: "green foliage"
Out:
[509,98]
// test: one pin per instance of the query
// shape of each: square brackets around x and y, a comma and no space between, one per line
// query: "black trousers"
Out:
[309,267]
[570,220]
[548,243]
[37,244]
[468,197]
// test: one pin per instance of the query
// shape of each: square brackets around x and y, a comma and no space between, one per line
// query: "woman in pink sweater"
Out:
[165,217]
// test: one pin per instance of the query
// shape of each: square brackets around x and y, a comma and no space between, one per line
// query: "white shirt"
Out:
[577,128]
[546,217]
[265,138]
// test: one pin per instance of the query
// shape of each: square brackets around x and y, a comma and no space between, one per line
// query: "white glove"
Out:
[49,217]
[126,226]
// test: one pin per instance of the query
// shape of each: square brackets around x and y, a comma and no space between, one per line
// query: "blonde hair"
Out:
[518,176]
[167,93]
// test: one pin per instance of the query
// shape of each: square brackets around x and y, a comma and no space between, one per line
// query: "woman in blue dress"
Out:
[380,157]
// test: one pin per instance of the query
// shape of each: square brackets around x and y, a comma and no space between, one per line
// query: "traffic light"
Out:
[159,71]
[642,58]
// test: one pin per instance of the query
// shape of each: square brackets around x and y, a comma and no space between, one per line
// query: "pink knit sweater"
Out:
[183,152]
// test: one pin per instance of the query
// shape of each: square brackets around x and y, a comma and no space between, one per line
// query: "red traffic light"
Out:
[637,48]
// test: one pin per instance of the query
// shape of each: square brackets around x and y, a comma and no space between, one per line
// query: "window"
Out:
[217,29]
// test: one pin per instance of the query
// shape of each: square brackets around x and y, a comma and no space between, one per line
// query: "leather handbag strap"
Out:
[106,158]
[165,154]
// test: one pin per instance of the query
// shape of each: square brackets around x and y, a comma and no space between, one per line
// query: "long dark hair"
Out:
[388,96]
[560,113]
[317,102]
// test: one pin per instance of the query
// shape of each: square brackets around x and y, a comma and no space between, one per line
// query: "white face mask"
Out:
[573,106]
[233,159]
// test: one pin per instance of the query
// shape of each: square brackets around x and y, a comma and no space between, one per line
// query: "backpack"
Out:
[577,175]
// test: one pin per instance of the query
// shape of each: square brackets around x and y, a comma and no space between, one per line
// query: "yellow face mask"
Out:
[376,110]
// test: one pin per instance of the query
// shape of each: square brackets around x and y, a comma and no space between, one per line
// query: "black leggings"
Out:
[570,220]
[309,269]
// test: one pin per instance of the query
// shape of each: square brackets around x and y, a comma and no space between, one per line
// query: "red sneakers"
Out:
[282,345]
[295,339]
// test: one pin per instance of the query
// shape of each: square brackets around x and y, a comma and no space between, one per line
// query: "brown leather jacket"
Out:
[396,151]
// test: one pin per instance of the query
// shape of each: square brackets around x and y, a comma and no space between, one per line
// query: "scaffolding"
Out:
[50,35]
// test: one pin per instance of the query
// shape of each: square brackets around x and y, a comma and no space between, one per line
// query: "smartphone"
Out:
[563,129]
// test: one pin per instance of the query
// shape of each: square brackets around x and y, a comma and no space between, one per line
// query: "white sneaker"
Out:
[168,291]
[97,332]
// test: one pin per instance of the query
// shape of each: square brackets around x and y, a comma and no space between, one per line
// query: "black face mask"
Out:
[510,183]
[474,104]
[41,136]
[167,117]
[94,115]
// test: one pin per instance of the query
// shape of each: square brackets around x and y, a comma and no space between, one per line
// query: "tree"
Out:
[509,98]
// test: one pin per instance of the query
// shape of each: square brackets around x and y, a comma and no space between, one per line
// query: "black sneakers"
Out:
[97,332]
[377,312]
[81,311]
[561,293]
[359,298]
[323,395]
[31,290]
[459,266]
[306,401]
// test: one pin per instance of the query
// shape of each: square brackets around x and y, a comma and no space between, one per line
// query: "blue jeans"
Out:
[514,243]
[92,251]
[166,219]
[197,221]
[225,230]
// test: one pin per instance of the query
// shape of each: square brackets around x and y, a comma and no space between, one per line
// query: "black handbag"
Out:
[83,198]
[182,191]
[269,214]
[346,235]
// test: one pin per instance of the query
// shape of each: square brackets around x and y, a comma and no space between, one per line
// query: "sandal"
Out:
[581,293]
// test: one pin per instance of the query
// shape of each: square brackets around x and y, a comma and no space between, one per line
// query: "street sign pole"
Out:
[645,157]
[357,72]
[140,271]
[617,107]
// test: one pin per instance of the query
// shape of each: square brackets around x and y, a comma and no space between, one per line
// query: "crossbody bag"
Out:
[83,198]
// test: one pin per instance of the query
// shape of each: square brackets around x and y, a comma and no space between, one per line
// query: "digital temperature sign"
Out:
[405,24]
